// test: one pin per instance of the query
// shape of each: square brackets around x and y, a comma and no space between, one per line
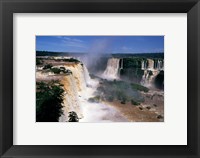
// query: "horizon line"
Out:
[102,53]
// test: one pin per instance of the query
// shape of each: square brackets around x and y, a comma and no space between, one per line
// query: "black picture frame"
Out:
[8,7]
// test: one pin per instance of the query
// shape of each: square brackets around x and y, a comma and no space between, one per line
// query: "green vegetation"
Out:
[139,87]
[132,62]
[123,101]
[47,66]
[49,53]
[39,61]
[49,100]
[71,60]
[95,99]
[62,68]
[159,55]
[133,102]
[159,80]
[132,69]
[110,98]
[73,117]
[150,73]
[132,74]
[92,76]
[121,91]
[55,70]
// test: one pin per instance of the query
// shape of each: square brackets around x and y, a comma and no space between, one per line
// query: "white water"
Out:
[112,69]
[148,79]
[160,65]
[79,88]
[150,64]
[151,70]
[73,85]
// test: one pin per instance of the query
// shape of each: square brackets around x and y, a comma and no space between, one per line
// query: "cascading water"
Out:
[150,64]
[74,84]
[71,100]
[159,64]
[151,70]
[89,82]
[79,87]
[144,65]
[148,77]
[121,66]
[112,69]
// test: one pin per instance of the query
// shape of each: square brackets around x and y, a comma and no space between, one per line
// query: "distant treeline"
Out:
[141,55]
[47,53]
[119,55]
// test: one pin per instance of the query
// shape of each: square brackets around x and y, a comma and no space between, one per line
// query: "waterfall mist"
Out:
[97,55]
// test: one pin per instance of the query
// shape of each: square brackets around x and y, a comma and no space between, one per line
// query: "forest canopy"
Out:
[49,100]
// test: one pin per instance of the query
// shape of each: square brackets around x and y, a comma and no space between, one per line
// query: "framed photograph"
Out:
[99,78]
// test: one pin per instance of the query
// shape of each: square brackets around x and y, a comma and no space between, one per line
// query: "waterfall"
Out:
[148,77]
[87,76]
[159,65]
[151,70]
[71,100]
[79,87]
[74,85]
[142,65]
[121,66]
[112,69]
[150,64]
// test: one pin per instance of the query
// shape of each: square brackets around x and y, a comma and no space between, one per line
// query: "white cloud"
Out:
[126,49]
[72,42]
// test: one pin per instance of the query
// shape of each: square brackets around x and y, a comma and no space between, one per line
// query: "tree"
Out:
[49,100]
[73,117]
[39,61]
[47,66]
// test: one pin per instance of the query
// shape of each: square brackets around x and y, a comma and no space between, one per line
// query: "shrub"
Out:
[133,102]
[139,87]
[71,60]
[55,70]
[110,98]
[123,101]
[68,72]
[49,100]
[39,61]
[62,68]
[95,99]
[73,117]
[150,73]
[47,66]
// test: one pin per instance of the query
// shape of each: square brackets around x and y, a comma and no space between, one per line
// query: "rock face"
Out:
[150,64]
[71,101]
[74,85]
[152,69]
[149,77]
[146,71]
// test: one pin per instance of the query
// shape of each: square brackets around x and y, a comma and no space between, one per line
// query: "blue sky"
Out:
[101,44]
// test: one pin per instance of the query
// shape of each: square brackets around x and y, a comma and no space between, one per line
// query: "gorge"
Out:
[125,89]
